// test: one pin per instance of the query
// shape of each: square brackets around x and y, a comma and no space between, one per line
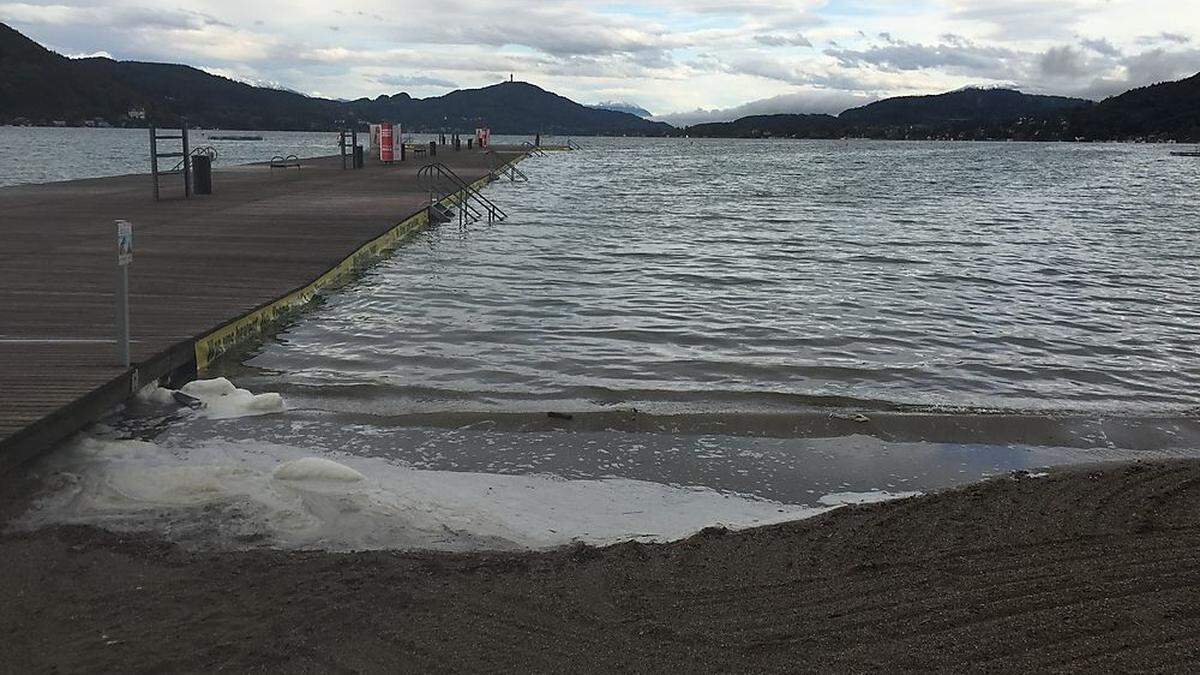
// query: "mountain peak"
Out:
[39,86]
[621,106]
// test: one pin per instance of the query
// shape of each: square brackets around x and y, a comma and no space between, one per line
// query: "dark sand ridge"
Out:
[1095,568]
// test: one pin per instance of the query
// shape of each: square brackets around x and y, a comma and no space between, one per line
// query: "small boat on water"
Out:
[1186,153]
[235,138]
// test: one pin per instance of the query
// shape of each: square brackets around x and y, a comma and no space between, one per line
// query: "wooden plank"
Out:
[198,264]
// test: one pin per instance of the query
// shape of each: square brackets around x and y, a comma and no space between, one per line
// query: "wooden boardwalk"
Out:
[198,264]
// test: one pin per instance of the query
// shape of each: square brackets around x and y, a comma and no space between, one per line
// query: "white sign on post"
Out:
[124,257]
[124,243]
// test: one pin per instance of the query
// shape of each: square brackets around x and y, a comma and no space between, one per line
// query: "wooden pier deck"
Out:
[198,264]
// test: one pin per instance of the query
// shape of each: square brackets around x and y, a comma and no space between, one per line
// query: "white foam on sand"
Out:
[872,497]
[246,494]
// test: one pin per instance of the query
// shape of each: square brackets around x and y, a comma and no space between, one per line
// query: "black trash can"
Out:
[432,148]
[202,175]
[358,156]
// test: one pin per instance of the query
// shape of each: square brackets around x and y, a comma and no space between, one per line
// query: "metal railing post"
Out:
[154,159]
[187,164]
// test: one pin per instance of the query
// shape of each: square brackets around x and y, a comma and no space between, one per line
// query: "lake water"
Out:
[743,275]
[693,313]
[44,154]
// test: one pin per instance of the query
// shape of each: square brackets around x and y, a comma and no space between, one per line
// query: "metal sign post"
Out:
[124,257]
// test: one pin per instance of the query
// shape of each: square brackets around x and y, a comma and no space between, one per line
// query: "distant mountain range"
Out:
[618,106]
[41,87]
[1162,112]
[38,86]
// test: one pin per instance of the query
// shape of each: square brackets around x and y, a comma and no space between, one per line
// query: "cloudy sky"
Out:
[669,56]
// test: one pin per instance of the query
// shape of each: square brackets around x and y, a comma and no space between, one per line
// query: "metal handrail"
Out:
[500,168]
[437,213]
[202,151]
[531,149]
[465,209]
[464,191]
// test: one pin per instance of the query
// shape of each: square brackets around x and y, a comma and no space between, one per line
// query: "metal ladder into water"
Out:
[533,150]
[442,184]
[501,169]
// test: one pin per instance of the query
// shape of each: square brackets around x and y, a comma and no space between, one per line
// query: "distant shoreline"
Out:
[683,137]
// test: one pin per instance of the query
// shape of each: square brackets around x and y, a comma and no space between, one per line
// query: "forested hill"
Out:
[1169,111]
[509,107]
[1166,111]
[39,86]
[962,105]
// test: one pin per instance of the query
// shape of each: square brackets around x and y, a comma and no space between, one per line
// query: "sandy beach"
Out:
[1082,569]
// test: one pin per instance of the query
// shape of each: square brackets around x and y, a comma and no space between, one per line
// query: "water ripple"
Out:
[734,275]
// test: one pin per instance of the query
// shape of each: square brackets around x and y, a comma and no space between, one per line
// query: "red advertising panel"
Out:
[387,149]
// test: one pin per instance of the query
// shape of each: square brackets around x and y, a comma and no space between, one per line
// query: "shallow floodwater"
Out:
[758,283]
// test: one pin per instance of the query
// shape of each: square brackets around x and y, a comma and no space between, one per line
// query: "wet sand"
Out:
[1094,568]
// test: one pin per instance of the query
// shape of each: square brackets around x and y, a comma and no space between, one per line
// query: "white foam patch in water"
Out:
[240,494]
[872,497]
[152,393]
[317,468]
[223,400]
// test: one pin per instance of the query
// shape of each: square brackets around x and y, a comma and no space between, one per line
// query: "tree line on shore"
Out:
[1164,112]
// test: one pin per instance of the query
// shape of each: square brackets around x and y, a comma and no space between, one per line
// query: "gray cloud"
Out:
[1164,37]
[130,18]
[414,81]
[1101,46]
[783,40]
[959,56]
[1160,65]
[830,102]
[1024,19]
[1064,61]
